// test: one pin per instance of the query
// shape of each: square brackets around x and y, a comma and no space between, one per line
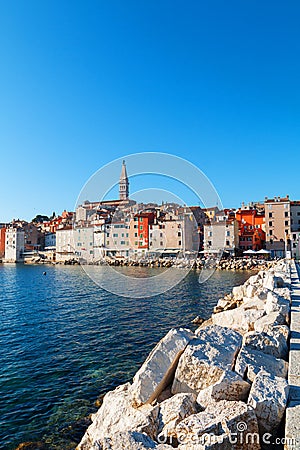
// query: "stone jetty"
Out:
[221,387]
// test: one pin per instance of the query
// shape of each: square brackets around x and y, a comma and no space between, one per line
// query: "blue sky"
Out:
[83,83]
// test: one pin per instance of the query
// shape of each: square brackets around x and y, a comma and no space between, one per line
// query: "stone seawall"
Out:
[221,387]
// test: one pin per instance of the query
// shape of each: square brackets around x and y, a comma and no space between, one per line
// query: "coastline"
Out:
[253,314]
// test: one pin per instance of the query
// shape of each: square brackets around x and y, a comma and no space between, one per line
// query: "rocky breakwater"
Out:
[221,387]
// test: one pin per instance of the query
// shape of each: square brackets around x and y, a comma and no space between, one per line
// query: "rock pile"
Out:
[222,387]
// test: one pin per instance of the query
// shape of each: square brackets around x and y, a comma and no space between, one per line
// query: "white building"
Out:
[117,241]
[50,241]
[221,236]
[84,244]
[14,245]
[65,249]
[295,229]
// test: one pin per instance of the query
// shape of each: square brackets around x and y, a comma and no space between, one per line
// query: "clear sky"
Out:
[82,83]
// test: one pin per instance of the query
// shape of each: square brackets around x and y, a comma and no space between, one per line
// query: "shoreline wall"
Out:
[204,390]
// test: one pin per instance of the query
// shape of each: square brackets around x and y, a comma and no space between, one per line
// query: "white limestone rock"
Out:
[274,303]
[241,319]
[158,369]
[206,358]
[249,362]
[253,303]
[218,419]
[272,343]
[271,319]
[172,411]
[268,397]
[238,292]
[117,414]
[131,440]
[283,292]
[271,282]
[278,329]
[230,386]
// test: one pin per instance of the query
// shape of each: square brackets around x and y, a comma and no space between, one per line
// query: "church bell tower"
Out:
[123,183]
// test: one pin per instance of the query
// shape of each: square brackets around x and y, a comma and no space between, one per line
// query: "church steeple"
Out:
[123,183]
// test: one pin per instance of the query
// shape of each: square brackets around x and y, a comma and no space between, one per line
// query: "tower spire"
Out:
[123,183]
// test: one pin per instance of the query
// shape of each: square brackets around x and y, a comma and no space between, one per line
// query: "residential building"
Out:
[251,225]
[295,229]
[139,231]
[65,248]
[278,225]
[14,245]
[2,241]
[84,244]
[50,241]
[117,238]
[221,236]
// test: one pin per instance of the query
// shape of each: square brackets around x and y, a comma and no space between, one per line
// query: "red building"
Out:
[251,229]
[143,221]
[2,242]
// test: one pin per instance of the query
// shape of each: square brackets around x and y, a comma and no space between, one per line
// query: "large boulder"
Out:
[272,343]
[271,319]
[268,397]
[241,319]
[117,414]
[206,358]
[158,369]
[274,303]
[238,292]
[174,410]
[249,362]
[219,418]
[230,386]
[271,281]
[131,440]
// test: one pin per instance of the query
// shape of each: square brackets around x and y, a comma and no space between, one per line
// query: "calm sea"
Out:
[64,341]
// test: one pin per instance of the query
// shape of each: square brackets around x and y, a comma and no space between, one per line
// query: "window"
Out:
[141,243]
[135,234]
[135,243]
[286,223]
[286,231]
[179,233]
[270,224]
[122,234]
[270,206]
[141,227]
[228,233]
[210,234]
[298,213]
[161,243]
[270,214]
[271,232]
[179,242]
[122,242]
[160,235]
[135,226]
[209,243]
[294,237]
[141,219]
[286,214]
[141,236]
[115,234]
[151,235]
[271,241]
[227,243]
[107,242]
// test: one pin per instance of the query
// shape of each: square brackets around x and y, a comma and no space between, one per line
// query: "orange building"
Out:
[252,234]
[139,230]
[2,242]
